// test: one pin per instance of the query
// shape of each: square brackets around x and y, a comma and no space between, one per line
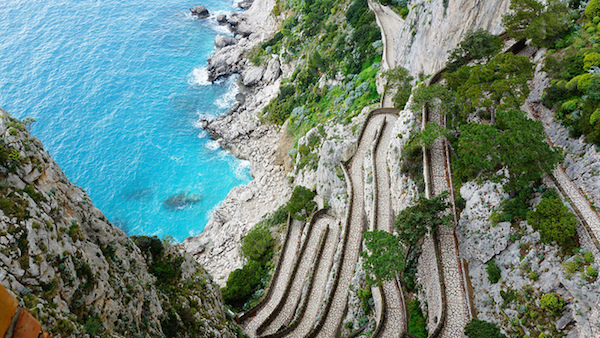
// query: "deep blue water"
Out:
[117,88]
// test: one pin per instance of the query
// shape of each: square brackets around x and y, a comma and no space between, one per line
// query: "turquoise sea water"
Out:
[117,88]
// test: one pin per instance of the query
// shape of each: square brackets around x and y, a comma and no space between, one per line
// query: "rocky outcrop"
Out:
[526,265]
[223,41]
[200,11]
[249,28]
[69,266]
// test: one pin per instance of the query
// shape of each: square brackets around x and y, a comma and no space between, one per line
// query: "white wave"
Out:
[241,169]
[202,133]
[200,76]
[216,26]
[212,145]
[226,100]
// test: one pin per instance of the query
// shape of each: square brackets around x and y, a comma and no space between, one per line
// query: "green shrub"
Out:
[258,245]
[417,325]
[479,45]
[552,302]
[149,245]
[593,273]
[301,200]
[167,271]
[494,272]
[554,221]
[593,89]
[572,84]
[570,105]
[584,82]
[478,329]
[593,9]
[242,283]
[588,257]
[366,297]
[555,94]
[590,60]
[595,117]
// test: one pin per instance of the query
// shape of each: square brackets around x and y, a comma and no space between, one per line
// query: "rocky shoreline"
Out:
[241,132]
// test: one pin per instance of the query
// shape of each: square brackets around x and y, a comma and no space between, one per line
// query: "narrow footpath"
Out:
[335,314]
[395,319]
[457,307]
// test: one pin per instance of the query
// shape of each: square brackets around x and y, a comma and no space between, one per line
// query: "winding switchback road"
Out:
[279,284]
[458,313]
[395,319]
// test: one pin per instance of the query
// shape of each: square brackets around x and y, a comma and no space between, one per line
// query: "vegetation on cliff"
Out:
[77,273]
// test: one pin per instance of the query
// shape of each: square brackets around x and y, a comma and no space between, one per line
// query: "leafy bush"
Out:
[552,302]
[417,325]
[384,258]
[258,245]
[398,79]
[584,82]
[570,105]
[589,257]
[590,60]
[242,283]
[426,215]
[554,221]
[593,9]
[301,200]
[479,328]
[494,272]
[149,245]
[572,84]
[593,89]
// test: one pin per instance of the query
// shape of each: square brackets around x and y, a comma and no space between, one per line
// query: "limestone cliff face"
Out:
[72,269]
[422,41]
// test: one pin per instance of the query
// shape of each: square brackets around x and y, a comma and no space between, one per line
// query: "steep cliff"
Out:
[421,42]
[79,274]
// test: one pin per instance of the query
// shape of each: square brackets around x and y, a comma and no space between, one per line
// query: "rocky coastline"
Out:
[241,132]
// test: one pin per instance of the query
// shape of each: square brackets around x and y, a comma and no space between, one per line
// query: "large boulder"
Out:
[222,19]
[273,71]
[200,11]
[245,4]
[253,75]
[223,40]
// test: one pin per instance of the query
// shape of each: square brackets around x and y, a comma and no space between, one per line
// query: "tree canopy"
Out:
[477,328]
[515,142]
[258,245]
[554,221]
[384,258]
[427,214]
[498,85]
[479,45]
[543,24]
